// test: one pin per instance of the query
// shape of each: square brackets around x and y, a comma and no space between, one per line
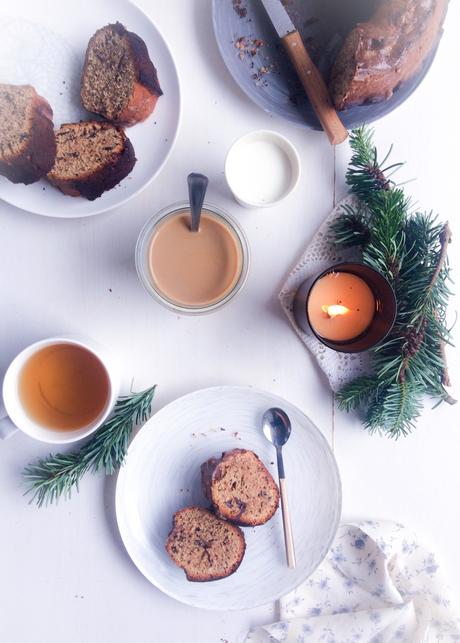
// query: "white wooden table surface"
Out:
[64,574]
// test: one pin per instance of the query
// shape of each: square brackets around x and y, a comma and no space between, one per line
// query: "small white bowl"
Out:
[262,168]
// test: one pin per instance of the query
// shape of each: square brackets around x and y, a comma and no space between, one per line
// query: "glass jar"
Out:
[143,249]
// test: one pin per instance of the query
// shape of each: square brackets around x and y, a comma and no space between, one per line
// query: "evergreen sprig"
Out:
[56,475]
[410,250]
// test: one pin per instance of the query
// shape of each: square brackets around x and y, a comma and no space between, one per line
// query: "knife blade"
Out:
[309,76]
[279,17]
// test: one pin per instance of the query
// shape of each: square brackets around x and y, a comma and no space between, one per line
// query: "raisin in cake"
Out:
[240,488]
[27,145]
[91,157]
[119,80]
[204,546]
[387,50]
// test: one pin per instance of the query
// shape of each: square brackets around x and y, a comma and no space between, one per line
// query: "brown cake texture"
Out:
[27,145]
[204,546]
[378,55]
[119,80]
[92,157]
[240,488]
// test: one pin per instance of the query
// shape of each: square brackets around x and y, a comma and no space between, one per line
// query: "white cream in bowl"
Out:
[262,168]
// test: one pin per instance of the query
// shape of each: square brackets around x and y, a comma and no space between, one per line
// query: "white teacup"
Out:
[17,416]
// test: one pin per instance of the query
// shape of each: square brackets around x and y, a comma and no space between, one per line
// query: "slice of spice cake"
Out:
[92,157]
[204,546]
[119,80]
[27,144]
[240,487]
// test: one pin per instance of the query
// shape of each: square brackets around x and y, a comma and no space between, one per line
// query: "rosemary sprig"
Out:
[56,475]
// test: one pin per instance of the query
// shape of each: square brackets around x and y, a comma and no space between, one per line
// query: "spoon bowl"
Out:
[276,426]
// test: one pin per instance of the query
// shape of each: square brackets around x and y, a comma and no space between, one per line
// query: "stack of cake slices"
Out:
[209,544]
[119,82]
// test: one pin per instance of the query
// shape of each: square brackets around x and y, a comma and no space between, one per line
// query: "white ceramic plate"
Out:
[43,44]
[162,475]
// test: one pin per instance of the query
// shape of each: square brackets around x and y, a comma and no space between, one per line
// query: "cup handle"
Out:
[7,427]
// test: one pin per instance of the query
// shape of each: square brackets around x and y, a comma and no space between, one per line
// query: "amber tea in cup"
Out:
[64,387]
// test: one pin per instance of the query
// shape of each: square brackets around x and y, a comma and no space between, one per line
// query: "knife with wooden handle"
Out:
[310,77]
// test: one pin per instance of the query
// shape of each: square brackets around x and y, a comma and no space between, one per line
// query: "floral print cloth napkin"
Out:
[377,584]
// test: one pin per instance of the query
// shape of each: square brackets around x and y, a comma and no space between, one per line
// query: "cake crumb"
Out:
[239,8]
[248,47]
[259,76]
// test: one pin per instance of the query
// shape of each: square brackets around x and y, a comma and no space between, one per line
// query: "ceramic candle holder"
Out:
[384,316]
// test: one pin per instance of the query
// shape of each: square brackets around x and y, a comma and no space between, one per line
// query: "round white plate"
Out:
[43,44]
[162,475]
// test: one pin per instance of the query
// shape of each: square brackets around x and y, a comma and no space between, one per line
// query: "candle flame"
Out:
[334,310]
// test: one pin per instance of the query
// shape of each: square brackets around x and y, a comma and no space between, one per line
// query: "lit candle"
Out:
[341,306]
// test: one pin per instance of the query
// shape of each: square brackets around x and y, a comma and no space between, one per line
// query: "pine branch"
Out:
[352,228]
[410,249]
[358,393]
[385,248]
[445,238]
[425,309]
[56,475]
[445,377]
[365,175]
[398,407]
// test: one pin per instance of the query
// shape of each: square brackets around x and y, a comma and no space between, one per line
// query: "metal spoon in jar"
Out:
[277,428]
[197,185]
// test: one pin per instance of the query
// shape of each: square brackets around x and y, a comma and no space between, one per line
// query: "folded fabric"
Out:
[378,584]
[320,254]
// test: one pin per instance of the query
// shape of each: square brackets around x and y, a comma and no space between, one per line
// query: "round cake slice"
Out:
[204,546]
[119,80]
[240,487]
[379,55]
[92,157]
[27,145]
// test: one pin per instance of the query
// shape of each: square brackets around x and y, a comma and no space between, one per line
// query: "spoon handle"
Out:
[197,185]
[288,537]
